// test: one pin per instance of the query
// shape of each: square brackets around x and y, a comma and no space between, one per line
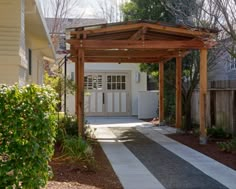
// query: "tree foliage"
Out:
[60,84]
[146,10]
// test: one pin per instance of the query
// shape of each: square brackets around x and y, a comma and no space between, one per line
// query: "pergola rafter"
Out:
[141,42]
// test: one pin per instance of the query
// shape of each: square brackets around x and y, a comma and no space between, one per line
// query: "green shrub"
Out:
[229,146]
[68,126]
[77,149]
[217,132]
[27,135]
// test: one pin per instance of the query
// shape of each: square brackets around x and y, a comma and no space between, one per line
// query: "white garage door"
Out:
[107,94]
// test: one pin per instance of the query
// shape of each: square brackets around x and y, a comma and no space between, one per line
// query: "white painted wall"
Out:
[148,104]
[135,86]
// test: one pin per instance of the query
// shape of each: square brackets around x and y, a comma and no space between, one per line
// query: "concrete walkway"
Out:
[143,157]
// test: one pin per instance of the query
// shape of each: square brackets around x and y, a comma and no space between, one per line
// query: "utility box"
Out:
[148,104]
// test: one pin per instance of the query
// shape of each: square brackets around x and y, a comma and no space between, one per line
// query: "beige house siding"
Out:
[12,44]
[22,28]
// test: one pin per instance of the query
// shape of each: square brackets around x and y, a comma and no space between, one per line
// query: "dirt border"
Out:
[76,175]
[210,149]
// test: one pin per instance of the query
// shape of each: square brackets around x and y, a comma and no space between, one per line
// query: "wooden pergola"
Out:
[141,42]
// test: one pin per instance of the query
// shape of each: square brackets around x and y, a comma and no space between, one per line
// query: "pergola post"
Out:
[178,110]
[80,91]
[161,93]
[77,84]
[203,94]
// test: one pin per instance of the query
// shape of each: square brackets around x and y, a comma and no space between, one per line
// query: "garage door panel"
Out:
[100,102]
[86,103]
[116,102]
[109,102]
[123,102]
[93,102]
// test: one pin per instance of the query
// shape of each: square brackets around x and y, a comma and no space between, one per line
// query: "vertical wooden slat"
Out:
[161,93]
[178,109]
[203,93]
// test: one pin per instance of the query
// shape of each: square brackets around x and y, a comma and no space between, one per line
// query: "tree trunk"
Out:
[188,118]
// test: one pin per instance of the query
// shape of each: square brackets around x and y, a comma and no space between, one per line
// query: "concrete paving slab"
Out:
[117,122]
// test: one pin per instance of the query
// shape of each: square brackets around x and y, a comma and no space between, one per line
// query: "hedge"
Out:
[27,135]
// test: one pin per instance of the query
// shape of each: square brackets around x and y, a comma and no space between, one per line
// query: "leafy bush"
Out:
[229,146]
[77,149]
[217,132]
[74,147]
[68,126]
[27,135]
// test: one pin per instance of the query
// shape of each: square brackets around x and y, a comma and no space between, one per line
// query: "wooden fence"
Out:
[220,106]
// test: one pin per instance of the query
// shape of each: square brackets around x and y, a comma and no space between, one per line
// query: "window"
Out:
[231,65]
[116,82]
[30,61]
[93,82]
[72,76]
[62,43]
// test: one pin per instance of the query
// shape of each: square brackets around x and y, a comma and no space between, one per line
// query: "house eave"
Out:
[36,25]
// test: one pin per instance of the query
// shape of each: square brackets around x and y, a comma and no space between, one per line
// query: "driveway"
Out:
[143,157]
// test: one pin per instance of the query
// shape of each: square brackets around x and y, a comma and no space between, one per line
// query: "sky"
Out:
[87,8]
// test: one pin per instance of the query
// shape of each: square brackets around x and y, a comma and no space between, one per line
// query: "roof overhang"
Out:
[36,27]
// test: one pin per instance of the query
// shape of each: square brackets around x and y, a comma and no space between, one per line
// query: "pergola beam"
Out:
[128,27]
[123,60]
[128,44]
[130,53]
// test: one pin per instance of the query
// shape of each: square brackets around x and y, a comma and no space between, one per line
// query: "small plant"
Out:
[217,133]
[229,146]
[67,126]
[89,132]
[77,150]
